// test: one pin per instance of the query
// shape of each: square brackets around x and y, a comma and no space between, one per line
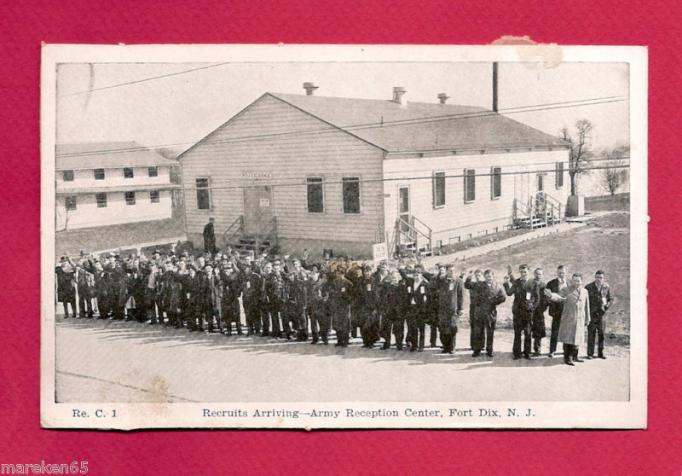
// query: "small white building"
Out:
[111,183]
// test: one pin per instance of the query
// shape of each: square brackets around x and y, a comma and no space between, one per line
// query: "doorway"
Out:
[258,210]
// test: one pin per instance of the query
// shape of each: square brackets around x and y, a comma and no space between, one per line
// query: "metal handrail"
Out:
[413,229]
[239,223]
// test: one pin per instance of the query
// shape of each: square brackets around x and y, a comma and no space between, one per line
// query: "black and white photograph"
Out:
[289,236]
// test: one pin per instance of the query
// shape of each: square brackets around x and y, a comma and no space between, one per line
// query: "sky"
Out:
[179,110]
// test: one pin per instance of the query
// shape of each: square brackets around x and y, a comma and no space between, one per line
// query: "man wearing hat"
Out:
[66,286]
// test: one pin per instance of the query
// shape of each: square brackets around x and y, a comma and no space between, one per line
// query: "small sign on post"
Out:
[379,253]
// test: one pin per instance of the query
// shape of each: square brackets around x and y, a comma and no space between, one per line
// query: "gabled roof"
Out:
[108,155]
[420,127]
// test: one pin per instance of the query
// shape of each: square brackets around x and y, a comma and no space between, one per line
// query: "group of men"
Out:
[291,299]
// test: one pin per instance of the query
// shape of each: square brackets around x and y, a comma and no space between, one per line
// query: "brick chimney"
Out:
[399,95]
[443,98]
[309,88]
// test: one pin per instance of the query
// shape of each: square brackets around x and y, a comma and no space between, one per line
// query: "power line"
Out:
[364,126]
[143,80]
[388,179]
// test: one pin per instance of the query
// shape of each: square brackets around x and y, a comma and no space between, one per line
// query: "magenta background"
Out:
[26,24]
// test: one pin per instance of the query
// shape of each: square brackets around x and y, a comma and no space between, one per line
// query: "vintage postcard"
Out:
[318,236]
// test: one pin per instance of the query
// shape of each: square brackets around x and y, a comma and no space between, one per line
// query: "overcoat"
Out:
[574,316]
[450,297]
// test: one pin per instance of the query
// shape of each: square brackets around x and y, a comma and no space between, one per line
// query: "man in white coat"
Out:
[574,317]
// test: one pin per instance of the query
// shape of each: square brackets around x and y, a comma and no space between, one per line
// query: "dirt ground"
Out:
[603,243]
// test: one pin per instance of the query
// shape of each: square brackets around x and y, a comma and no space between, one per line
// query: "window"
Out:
[153,171]
[154,196]
[70,203]
[101,200]
[541,182]
[351,195]
[559,175]
[128,172]
[315,195]
[438,189]
[99,174]
[67,175]
[469,185]
[203,194]
[495,183]
[130,198]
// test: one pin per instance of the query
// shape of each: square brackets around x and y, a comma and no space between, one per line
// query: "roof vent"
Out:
[399,95]
[443,98]
[309,88]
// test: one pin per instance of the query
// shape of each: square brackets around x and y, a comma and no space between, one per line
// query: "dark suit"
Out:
[555,310]
[397,302]
[522,311]
[339,289]
[66,290]
[488,297]
[539,303]
[600,301]
[317,293]
[209,238]
[450,294]
[252,284]
[275,296]
[418,311]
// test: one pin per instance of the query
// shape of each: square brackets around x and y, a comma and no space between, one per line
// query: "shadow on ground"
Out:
[165,336]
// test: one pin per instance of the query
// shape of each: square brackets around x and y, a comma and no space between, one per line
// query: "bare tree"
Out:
[615,172]
[579,150]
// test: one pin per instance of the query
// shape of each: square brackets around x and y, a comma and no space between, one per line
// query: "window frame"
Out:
[344,180]
[155,168]
[73,199]
[436,175]
[128,202]
[104,174]
[307,188]
[98,201]
[466,188]
[559,172]
[540,177]
[206,189]
[158,196]
[70,174]
[125,171]
[493,176]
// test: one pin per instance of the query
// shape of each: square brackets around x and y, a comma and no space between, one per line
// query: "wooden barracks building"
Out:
[312,172]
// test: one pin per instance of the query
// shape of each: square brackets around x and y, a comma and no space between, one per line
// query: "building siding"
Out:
[87,214]
[457,220]
[112,178]
[233,158]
